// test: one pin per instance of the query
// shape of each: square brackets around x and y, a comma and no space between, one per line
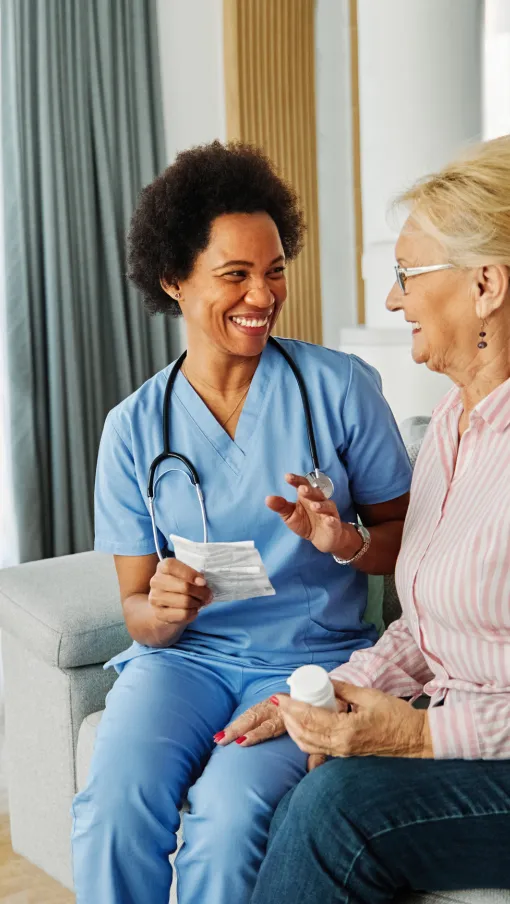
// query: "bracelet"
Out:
[367,539]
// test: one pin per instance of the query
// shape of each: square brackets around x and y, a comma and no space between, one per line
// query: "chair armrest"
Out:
[66,610]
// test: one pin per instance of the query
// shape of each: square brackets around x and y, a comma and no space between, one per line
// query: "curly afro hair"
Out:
[172,222]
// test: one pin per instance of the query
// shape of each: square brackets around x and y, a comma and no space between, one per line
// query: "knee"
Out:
[221,818]
[122,797]
[227,811]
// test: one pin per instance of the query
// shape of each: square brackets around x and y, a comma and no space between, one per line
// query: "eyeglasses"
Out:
[402,273]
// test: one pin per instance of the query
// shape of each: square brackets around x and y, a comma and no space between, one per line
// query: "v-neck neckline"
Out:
[232,451]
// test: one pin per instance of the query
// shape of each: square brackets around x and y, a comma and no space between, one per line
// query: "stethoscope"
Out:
[316,478]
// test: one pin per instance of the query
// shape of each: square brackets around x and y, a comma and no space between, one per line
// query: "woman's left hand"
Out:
[377,725]
[313,517]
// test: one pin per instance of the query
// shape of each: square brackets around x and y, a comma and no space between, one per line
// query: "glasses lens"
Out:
[400,278]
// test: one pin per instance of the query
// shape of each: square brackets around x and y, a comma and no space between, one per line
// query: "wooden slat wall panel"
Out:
[270,96]
[356,157]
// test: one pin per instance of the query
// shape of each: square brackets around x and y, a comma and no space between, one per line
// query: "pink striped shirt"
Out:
[453,579]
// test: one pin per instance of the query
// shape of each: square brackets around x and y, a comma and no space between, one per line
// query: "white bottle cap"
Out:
[310,684]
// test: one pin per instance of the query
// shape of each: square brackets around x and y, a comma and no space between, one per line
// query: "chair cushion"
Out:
[480,896]
[373,614]
[86,739]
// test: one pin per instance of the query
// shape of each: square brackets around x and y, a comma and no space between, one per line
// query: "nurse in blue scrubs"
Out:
[211,239]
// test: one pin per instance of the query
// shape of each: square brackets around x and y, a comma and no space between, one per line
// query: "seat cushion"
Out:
[86,738]
[84,753]
[482,896]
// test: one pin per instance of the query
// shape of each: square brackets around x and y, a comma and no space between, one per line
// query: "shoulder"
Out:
[307,353]
[143,404]
[343,369]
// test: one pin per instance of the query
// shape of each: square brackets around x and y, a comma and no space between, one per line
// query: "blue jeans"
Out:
[358,830]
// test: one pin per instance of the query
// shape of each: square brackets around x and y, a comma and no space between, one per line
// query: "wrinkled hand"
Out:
[262,722]
[377,725]
[312,516]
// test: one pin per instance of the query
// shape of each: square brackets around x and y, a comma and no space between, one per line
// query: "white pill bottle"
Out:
[312,684]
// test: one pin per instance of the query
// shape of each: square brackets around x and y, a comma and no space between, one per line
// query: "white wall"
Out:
[191,60]
[190,36]
[496,96]
[420,103]
[334,164]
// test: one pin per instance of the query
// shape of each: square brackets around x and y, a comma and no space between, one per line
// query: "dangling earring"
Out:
[482,334]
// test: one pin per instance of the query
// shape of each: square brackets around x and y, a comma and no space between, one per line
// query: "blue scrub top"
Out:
[317,612]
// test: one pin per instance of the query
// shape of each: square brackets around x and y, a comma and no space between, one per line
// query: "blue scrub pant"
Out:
[154,740]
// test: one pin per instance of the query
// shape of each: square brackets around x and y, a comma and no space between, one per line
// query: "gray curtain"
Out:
[82,133]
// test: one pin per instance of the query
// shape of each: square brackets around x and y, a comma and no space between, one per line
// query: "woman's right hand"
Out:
[177,593]
[262,722]
[259,723]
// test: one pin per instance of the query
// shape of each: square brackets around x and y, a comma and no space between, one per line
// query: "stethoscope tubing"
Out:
[192,473]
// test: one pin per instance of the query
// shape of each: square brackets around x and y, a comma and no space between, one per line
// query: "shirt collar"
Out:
[450,401]
[494,409]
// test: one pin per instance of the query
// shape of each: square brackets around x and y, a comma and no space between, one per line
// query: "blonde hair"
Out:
[466,205]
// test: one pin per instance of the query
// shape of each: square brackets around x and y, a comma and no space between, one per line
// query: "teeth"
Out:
[416,325]
[243,321]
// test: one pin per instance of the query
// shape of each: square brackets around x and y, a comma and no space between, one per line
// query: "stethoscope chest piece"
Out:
[321,482]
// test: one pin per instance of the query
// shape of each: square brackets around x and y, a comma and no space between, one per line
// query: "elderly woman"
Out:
[413,798]
[210,239]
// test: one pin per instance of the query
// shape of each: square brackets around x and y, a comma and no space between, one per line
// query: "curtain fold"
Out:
[82,128]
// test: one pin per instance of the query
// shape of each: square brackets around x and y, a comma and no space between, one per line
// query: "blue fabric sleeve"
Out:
[374,453]
[122,520]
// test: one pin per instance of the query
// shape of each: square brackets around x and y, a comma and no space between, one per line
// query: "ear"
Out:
[491,289]
[171,289]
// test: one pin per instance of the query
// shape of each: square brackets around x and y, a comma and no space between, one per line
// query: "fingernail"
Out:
[219,736]
[200,582]
[241,739]
[275,701]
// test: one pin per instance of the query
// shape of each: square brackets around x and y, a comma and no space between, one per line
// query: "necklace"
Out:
[241,399]
[210,386]
[224,424]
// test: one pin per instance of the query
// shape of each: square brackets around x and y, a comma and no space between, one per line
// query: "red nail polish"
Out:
[219,736]
[274,700]
[241,739]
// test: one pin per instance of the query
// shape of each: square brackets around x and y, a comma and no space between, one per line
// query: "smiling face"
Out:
[235,292]
[439,305]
